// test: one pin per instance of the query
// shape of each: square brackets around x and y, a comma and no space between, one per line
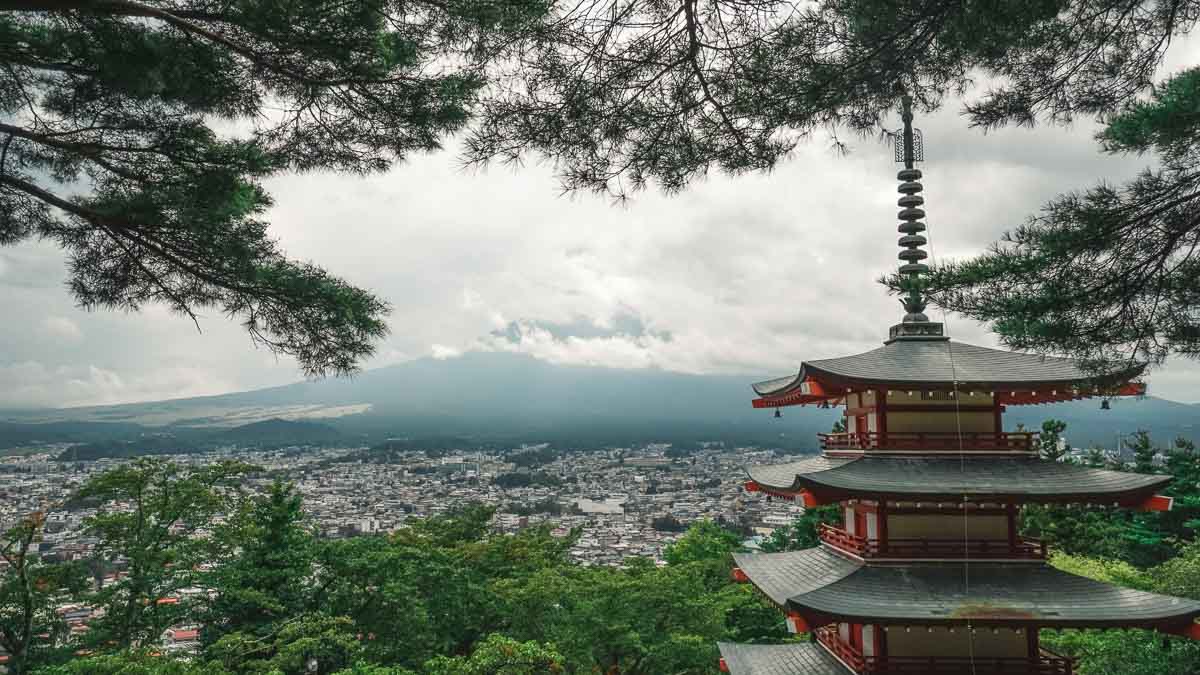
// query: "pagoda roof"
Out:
[795,659]
[821,584]
[952,478]
[942,364]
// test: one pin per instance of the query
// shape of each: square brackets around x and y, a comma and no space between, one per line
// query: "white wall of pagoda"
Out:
[921,641]
[947,527]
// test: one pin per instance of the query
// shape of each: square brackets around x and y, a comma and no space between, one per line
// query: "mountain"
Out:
[500,395]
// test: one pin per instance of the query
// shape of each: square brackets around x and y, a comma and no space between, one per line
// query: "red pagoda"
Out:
[928,574]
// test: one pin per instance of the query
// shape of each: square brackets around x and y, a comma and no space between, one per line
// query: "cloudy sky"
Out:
[735,275]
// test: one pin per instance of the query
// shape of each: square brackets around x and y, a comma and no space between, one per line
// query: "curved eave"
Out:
[792,659]
[780,576]
[944,365]
[987,594]
[982,479]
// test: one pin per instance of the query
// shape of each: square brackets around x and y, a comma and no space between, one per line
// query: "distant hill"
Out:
[185,440]
[490,396]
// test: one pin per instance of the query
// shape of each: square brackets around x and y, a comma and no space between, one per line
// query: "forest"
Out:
[446,595]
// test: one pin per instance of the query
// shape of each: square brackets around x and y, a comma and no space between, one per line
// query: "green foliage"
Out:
[1107,275]
[132,663]
[1143,451]
[1048,441]
[31,632]
[802,533]
[620,95]
[137,135]
[308,643]
[704,541]
[149,512]
[1132,652]
[498,654]
[267,552]
[1125,652]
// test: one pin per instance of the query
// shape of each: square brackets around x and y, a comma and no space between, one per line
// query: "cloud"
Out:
[62,329]
[31,384]
[442,352]
[746,275]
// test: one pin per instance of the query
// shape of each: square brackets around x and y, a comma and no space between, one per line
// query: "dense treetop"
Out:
[136,135]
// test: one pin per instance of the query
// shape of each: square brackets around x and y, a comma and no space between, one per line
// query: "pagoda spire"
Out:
[910,150]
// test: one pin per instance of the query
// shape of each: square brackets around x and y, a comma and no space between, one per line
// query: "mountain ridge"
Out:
[511,395]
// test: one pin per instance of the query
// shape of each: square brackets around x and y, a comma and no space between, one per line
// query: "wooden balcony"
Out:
[1046,663]
[1024,548]
[932,441]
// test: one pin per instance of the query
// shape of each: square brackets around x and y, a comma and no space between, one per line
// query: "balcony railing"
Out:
[1047,663]
[1025,548]
[932,441]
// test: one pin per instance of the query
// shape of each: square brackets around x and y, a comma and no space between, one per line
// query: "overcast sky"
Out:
[735,275]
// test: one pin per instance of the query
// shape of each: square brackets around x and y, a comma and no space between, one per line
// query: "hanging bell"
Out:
[778,413]
[1104,405]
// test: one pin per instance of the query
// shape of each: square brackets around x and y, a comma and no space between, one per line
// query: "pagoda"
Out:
[928,574]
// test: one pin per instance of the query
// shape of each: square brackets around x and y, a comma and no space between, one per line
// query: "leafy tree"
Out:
[498,654]
[1143,451]
[1048,441]
[623,93]
[133,663]
[30,630]
[306,644]
[839,426]
[802,533]
[150,511]
[262,580]
[704,541]
[1132,652]
[137,134]
[1096,458]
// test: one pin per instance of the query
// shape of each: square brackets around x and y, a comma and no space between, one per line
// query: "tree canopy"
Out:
[136,135]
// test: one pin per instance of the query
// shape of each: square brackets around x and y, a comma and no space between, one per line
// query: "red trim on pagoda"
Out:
[1040,662]
[1191,631]
[1015,548]
[932,441]
[1157,503]
[806,498]
[813,391]
[740,576]
[722,666]
[797,624]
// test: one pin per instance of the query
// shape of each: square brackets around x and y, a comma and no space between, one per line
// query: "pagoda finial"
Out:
[910,150]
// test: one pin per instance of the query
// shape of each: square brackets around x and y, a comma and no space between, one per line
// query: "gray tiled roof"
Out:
[941,362]
[819,581]
[989,593]
[782,575]
[1032,480]
[784,475]
[795,659]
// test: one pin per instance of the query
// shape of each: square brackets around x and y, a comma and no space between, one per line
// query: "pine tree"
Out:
[136,135]
[1108,275]
[1143,451]
[1049,441]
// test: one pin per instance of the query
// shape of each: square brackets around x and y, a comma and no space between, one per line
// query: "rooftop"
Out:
[1002,479]
[943,364]
[825,586]
[794,659]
